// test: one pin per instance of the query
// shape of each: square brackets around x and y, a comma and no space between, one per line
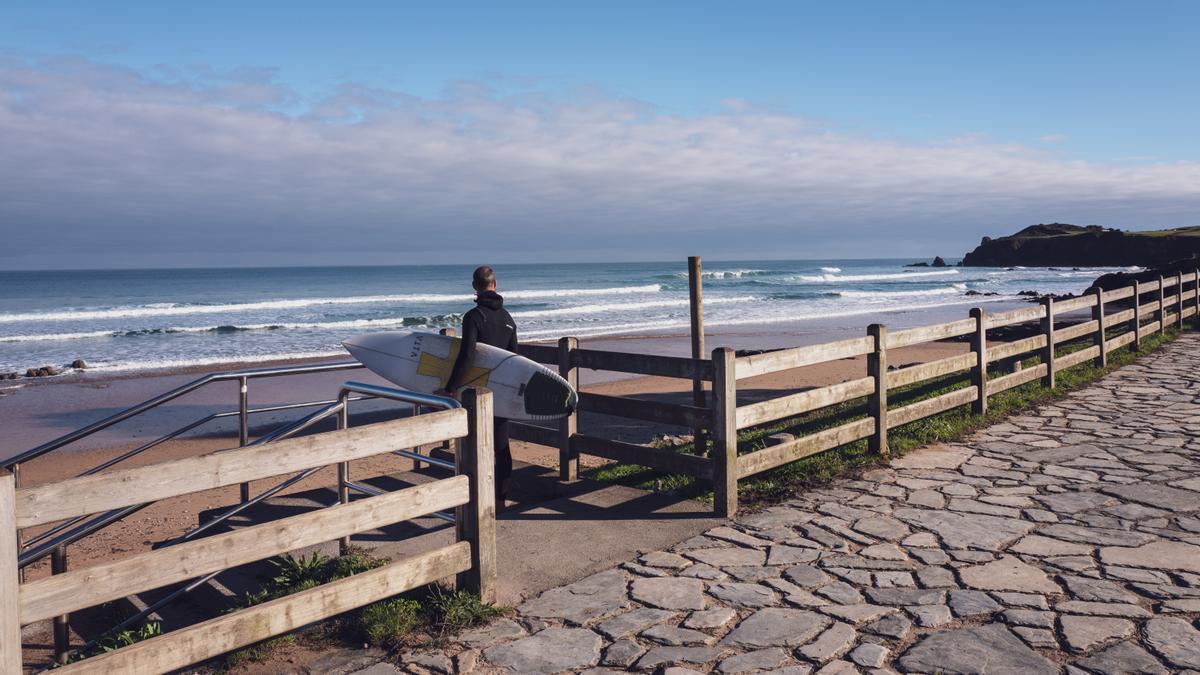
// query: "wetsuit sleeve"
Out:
[466,352]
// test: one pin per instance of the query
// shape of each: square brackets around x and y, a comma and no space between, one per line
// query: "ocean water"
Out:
[150,319]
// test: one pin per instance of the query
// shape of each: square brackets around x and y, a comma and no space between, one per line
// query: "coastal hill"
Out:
[1079,246]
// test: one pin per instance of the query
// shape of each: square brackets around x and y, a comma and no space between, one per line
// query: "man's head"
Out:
[484,279]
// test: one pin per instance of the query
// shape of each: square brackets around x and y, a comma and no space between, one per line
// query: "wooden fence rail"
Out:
[1143,308]
[471,560]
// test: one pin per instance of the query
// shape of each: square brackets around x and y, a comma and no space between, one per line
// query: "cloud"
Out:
[110,166]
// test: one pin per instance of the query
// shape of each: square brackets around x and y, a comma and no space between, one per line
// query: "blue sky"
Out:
[1095,94]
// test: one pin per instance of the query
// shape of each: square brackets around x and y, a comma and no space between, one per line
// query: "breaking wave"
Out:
[178,309]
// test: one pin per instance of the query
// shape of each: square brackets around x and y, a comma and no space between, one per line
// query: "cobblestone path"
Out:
[1066,540]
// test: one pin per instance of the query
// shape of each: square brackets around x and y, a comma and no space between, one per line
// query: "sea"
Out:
[137,320]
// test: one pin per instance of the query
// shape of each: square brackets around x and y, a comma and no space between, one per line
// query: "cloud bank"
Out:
[106,166]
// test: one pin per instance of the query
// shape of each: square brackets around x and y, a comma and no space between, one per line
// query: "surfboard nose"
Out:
[548,395]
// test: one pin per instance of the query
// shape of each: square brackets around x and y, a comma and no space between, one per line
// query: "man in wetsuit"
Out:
[490,324]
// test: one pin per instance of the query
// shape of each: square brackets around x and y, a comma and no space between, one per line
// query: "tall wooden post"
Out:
[877,367]
[1048,350]
[1162,305]
[10,620]
[725,435]
[568,458]
[696,305]
[1137,316]
[979,372]
[476,521]
[1098,337]
[1179,300]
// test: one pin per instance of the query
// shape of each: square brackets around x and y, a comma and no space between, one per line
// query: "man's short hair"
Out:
[483,278]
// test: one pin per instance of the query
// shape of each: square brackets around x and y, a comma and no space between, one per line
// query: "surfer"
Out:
[490,324]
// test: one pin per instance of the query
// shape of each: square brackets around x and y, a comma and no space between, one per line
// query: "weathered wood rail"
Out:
[471,559]
[1154,306]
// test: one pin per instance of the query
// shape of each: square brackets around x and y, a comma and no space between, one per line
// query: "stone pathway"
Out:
[1067,540]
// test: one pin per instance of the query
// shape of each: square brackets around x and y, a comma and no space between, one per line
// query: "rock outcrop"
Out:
[1115,280]
[938,261]
[1059,244]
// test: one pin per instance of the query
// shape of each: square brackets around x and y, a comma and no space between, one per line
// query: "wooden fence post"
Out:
[476,521]
[696,305]
[725,433]
[1179,300]
[1137,316]
[1048,350]
[979,372]
[1196,300]
[877,367]
[1098,337]
[10,619]
[568,459]
[1162,306]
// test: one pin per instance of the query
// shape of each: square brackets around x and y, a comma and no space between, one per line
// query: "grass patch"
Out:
[430,616]
[786,481]
[384,623]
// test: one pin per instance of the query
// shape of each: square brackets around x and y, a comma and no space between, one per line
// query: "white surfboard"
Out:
[521,389]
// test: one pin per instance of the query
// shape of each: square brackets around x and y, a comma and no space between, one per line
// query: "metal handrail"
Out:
[341,408]
[104,519]
[171,395]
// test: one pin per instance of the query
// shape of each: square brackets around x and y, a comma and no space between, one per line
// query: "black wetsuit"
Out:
[490,324]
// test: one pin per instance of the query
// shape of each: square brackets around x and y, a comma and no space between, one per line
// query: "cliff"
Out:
[1059,244]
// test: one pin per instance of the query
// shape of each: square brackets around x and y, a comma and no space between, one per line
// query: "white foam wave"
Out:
[171,363]
[725,274]
[831,270]
[625,307]
[949,290]
[175,309]
[774,318]
[54,337]
[356,324]
[317,325]
[836,278]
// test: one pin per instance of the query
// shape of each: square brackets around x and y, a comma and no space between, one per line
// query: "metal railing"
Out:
[339,407]
[243,377]
[53,541]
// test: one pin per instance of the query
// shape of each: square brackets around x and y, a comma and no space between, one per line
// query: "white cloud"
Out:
[107,165]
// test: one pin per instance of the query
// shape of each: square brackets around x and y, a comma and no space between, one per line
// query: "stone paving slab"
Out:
[1062,540]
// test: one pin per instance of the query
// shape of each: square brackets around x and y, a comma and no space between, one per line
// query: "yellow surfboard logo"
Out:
[435,366]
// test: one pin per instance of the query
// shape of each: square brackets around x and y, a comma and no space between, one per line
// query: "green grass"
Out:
[787,480]
[452,611]
[430,616]
[1192,231]
[122,638]
[384,623]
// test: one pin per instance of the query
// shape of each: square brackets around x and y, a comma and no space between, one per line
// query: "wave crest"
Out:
[178,309]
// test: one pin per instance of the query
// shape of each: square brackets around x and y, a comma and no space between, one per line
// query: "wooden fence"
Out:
[471,559]
[724,418]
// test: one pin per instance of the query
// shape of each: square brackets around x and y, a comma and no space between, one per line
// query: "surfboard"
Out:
[521,389]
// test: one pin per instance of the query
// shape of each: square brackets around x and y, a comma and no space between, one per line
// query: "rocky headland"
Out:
[1060,244]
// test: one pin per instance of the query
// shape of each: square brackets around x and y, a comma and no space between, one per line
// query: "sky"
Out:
[230,133]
